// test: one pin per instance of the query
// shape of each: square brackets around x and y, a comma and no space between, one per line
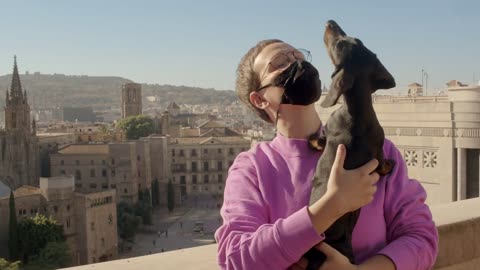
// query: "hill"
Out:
[100,92]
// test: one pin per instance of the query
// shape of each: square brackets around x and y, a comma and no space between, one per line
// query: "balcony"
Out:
[458,224]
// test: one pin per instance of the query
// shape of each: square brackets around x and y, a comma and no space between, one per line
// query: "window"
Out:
[62,172]
[55,209]
[104,172]
[220,165]
[78,175]
[93,185]
[139,173]
[62,162]
[89,138]
[68,207]
[113,161]
[194,153]
[103,162]
[77,162]
[194,179]
[92,226]
[230,163]
[205,166]
[220,178]
[205,151]
[125,191]
[173,152]
[68,222]
[20,212]
[206,188]
[91,162]
[220,187]
[78,185]
[181,153]
[182,180]
[230,151]
[194,166]
[104,186]
[243,149]
[113,172]
[194,187]
[205,179]
[219,150]
[113,186]
[92,173]
[138,157]
[103,242]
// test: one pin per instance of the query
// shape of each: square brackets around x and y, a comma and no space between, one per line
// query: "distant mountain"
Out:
[100,92]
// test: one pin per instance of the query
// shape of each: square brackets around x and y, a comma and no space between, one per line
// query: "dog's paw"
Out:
[385,166]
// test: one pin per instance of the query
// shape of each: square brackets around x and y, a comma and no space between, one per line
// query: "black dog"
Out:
[358,73]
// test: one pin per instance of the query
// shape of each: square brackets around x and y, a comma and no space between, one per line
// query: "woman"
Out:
[268,223]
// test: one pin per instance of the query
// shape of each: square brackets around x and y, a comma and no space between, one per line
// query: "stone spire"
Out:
[16,86]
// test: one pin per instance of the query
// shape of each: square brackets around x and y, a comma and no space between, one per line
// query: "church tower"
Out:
[17,110]
[19,164]
[131,99]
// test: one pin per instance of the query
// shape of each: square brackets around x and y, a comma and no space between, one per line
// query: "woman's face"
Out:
[267,67]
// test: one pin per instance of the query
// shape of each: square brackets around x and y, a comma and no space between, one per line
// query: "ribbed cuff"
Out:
[296,234]
[400,254]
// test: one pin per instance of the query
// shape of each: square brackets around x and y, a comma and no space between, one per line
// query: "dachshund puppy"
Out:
[358,73]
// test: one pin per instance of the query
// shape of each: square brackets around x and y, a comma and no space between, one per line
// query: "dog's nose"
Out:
[331,24]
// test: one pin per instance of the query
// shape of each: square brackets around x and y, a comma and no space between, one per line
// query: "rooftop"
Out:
[85,149]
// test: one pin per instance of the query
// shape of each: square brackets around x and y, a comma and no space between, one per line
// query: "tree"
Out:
[137,126]
[34,234]
[13,230]
[143,208]
[155,193]
[6,265]
[53,256]
[127,221]
[170,196]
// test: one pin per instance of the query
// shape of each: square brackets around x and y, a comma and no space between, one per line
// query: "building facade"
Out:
[19,162]
[438,136]
[88,220]
[131,99]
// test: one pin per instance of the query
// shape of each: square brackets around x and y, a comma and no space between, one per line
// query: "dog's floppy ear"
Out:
[382,78]
[342,82]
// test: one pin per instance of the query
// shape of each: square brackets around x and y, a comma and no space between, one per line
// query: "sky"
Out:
[199,43]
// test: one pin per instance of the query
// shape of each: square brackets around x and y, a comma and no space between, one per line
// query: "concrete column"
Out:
[461,174]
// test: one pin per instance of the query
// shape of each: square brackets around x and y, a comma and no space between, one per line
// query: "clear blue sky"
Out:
[199,43]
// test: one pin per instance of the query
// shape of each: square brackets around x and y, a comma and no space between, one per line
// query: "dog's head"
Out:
[354,63]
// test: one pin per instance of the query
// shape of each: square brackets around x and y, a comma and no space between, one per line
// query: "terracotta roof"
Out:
[455,83]
[211,124]
[85,149]
[414,84]
[26,190]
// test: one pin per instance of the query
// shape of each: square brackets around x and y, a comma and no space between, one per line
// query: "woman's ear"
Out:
[258,100]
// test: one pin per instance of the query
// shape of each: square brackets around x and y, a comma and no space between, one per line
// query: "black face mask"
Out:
[301,82]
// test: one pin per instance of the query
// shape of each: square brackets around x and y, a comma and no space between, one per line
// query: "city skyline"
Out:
[193,44]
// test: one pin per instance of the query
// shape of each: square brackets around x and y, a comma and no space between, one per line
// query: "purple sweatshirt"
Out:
[266,224]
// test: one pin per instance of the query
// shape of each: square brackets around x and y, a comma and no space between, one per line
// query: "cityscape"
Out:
[125,168]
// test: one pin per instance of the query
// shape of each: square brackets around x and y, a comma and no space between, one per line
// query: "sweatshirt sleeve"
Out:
[412,236]
[247,240]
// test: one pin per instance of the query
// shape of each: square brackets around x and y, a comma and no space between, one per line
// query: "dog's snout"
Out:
[331,24]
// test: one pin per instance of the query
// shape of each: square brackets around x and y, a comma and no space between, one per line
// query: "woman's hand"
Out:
[349,190]
[335,260]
